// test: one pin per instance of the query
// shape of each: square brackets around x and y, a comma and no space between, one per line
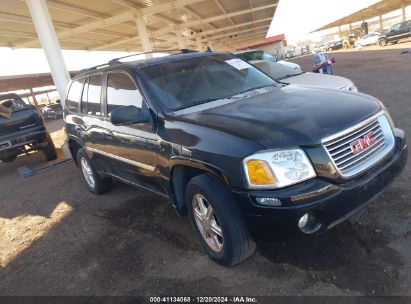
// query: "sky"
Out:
[294,18]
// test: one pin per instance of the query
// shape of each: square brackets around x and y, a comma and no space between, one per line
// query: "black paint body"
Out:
[217,139]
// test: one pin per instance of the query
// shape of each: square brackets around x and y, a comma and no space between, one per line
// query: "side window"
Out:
[121,91]
[90,99]
[74,95]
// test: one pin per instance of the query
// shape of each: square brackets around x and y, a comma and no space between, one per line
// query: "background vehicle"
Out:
[369,39]
[334,45]
[290,76]
[261,55]
[54,111]
[22,130]
[231,146]
[397,32]
[349,41]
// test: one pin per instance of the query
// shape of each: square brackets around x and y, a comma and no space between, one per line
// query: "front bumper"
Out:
[331,203]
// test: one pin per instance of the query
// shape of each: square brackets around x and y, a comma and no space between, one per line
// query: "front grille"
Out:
[349,163]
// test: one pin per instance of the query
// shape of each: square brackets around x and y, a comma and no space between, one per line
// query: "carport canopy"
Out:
[124,25]
[377,9]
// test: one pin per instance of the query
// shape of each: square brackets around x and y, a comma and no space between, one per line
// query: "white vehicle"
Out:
[370,38]
[250,55]
[287,75]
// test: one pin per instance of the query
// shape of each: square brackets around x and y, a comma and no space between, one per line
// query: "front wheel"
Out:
[382,42]
[218,221]
[95,183]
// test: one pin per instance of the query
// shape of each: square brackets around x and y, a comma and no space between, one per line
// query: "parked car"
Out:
[334,45]
[287,75]
[22,130]
[54,111]
[369,39]
[397,32]
[230,145]
[261,55]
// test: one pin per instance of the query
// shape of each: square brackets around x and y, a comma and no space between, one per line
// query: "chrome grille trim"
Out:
[338,146]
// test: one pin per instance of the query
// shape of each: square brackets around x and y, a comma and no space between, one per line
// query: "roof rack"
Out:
[117,60]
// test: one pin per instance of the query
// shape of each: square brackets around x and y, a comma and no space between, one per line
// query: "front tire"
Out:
[218,221]
[382,42]
[94,182]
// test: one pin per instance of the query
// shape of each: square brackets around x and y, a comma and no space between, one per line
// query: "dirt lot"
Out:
[58,239]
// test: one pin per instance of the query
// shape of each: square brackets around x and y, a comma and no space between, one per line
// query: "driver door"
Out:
[131,148]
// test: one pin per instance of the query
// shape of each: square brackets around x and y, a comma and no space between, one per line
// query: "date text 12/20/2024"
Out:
[205,299]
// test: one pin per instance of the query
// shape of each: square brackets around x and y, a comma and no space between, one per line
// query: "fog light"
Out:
[309,223]
[268,201]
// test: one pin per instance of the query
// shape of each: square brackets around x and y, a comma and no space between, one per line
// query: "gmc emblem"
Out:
[363,143]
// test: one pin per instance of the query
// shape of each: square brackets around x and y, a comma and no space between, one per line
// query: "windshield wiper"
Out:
[199,102]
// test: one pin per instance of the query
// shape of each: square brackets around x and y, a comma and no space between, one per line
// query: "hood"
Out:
[285,117]
[318,79]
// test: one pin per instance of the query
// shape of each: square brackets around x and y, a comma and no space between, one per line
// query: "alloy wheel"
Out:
[87,172]
[207,222]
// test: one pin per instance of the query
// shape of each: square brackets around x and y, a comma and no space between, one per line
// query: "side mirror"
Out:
[128,115]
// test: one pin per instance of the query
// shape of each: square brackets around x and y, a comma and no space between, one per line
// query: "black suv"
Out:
[398,31]
[231,146]
[22,130]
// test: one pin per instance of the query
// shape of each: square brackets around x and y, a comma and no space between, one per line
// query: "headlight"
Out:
[277,169]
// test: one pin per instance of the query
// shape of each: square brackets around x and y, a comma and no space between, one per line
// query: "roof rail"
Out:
[117,60]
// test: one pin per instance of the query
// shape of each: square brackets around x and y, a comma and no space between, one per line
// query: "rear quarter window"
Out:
[73,95]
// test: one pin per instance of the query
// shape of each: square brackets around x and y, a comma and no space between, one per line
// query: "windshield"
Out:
[187,82]
[276,70]
[256,55]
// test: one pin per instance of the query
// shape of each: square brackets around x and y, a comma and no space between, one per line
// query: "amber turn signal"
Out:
[259,173]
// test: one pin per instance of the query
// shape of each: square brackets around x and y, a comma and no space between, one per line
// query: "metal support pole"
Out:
[143,35]
[182,44]
[381,24]
[48,39]
[350,28]
[339,31]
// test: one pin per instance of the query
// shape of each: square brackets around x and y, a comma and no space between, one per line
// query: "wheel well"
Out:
[74,147]
[180,176]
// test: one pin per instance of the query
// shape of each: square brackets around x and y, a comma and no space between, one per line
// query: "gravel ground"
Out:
[58,239]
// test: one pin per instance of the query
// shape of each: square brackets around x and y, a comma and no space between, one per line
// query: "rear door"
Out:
[91,126]
[132,148]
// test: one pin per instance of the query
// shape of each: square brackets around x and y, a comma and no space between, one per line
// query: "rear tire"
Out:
[234,244]
[94,182]
[49,151]
[9,158]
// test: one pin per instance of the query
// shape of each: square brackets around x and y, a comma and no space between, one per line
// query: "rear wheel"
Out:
[95,183]
[49,151]
[382,42]
[218,221]
[8,158]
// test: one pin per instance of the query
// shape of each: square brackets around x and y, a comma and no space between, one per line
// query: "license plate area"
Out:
[4,145]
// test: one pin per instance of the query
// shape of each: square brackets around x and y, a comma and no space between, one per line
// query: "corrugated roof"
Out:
[110,24]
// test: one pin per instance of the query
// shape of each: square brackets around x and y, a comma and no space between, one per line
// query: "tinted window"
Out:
[74,95]
[121,91]
[90,101]
[183,83]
